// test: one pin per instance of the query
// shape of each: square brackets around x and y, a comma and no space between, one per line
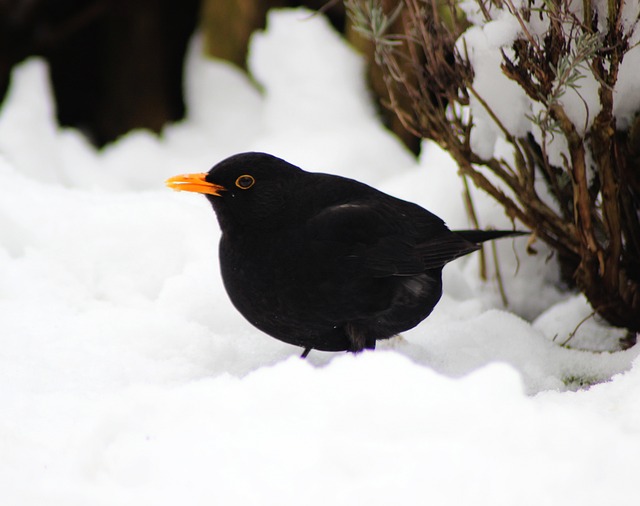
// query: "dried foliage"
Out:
[587,207]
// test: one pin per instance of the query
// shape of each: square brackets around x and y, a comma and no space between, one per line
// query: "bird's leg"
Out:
[359,340]
[305,353]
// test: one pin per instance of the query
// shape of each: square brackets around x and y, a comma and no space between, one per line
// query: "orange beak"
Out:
[194,183]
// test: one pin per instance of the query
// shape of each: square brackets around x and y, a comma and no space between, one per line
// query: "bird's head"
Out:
[244,189]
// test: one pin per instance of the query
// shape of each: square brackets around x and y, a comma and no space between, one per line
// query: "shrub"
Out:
[537,102]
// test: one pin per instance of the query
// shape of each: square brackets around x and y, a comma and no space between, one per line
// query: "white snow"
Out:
[482,42]
[493,89]
[626,98]
[127,378]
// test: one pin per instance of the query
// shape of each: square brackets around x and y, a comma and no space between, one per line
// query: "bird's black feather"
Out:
[326,262]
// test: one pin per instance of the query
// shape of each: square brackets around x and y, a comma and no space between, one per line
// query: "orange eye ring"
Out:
[245,182]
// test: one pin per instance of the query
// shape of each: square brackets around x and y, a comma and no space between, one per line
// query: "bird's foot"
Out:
[359,339]
[305,353]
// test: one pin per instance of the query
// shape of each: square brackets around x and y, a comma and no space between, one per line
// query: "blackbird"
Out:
[322,261]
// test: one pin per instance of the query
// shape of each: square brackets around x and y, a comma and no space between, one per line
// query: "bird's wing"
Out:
[385,243]
[442,249]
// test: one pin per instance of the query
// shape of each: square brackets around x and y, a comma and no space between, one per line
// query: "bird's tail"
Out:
[479,236]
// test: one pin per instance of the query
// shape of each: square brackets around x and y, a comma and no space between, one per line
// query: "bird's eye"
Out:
[245,182]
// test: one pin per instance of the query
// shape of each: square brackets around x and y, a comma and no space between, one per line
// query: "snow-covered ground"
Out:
[127,378]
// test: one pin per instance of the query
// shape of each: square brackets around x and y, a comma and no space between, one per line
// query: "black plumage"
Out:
[321,261]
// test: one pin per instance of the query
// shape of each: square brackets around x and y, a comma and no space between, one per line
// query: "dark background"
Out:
[117,64]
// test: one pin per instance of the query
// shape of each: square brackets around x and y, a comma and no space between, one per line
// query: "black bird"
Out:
[322,261]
